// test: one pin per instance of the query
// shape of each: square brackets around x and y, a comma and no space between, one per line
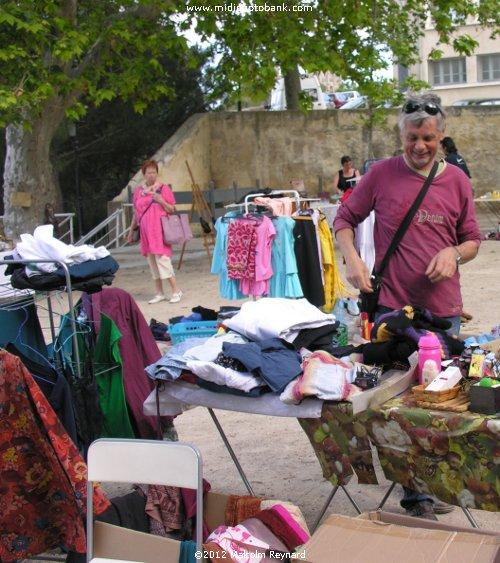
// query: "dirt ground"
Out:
[274,452]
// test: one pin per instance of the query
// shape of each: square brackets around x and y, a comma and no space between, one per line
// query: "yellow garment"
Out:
[334,286]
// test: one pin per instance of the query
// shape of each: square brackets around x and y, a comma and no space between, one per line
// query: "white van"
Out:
[308,84]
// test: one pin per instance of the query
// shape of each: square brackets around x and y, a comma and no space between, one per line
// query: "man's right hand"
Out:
[358,275]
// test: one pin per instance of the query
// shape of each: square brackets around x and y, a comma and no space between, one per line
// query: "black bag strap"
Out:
[405,223]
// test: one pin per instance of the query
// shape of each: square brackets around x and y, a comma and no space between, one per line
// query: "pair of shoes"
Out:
[440,507]
[423,509]
[157,299]
[176,297]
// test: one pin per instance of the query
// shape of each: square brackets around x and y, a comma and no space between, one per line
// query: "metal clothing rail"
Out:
[31,296]
[295,194]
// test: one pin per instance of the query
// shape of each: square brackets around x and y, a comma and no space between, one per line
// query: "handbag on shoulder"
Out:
[369,301]
[176,228]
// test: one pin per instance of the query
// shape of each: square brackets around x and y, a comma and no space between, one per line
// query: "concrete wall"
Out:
[276,147]
[189,143]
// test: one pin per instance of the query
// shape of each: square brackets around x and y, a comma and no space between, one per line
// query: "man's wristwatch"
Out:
[459,256]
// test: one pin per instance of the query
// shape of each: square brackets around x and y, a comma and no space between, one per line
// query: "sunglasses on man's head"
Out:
[430,107]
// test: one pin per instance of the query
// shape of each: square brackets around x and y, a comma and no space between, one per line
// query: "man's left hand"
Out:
[443,266]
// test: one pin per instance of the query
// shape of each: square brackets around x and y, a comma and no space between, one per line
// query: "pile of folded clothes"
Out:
[89,268]
[273,345]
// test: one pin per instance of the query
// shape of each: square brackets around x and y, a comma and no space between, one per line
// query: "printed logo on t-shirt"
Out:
[423,216]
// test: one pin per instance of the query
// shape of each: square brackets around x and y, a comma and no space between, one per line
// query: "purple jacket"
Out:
[138,349]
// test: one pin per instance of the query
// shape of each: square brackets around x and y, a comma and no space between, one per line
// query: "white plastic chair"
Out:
[152,462]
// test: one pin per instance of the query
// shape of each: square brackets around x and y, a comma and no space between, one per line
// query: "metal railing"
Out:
[67,235]
[109,233]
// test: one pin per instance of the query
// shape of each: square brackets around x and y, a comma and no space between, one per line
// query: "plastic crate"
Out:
[341,336]
[195,329]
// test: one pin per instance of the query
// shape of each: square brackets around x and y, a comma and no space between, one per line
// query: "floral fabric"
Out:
[42,475]
[453,456]
[242,240]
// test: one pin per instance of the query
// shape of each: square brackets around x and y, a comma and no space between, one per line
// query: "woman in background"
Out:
[345,179]
[153,200]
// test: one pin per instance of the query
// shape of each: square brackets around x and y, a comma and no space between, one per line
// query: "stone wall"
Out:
[275,147]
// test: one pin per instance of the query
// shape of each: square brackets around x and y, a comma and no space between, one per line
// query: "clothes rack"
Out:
[27,297]
[295,194]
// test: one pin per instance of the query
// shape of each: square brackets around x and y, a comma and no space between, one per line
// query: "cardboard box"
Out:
[375,538]
[113,542]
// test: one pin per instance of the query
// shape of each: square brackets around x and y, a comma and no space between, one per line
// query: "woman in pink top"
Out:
[152,201]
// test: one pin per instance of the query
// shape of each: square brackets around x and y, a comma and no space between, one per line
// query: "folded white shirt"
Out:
[42,245]
[275,317]
[212,347]
[221,375]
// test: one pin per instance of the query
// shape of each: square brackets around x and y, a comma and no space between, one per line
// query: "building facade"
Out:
[455,77]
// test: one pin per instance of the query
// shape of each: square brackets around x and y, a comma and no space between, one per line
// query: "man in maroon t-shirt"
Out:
[443,234]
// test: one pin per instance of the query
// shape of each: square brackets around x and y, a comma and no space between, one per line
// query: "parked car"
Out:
[308,84]
[356,103]
[477,102]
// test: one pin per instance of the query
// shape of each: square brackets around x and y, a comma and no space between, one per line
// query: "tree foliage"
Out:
[82,52]
[353,39]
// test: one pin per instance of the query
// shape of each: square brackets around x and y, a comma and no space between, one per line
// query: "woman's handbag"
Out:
[176,229]
[369,301]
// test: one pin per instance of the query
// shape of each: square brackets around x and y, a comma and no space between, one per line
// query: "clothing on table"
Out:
[138,349]
[458,160]
[259,284]
[225,389]
[285,280]
[241,247]
[445,218]
[324,377]
[209,349]
[306,253]
[395,335]
[411,323]
[224,376]
[109,378]
[228,288]
[169,367]
[160,266]
[270,359]
[226,362]
[206,314]
[178,397]
[43,476]
[148,214]
[316,338]
[274,317]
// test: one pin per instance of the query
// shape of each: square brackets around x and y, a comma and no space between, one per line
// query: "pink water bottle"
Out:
[429,348]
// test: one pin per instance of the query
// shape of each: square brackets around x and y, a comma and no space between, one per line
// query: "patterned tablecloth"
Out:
[455,457]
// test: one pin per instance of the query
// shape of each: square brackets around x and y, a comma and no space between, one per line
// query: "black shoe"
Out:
[422,509]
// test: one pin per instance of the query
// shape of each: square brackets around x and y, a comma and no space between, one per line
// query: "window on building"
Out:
[448,71]
[489,67]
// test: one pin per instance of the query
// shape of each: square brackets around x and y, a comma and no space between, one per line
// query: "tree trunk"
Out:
[292,88]
[29,181]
